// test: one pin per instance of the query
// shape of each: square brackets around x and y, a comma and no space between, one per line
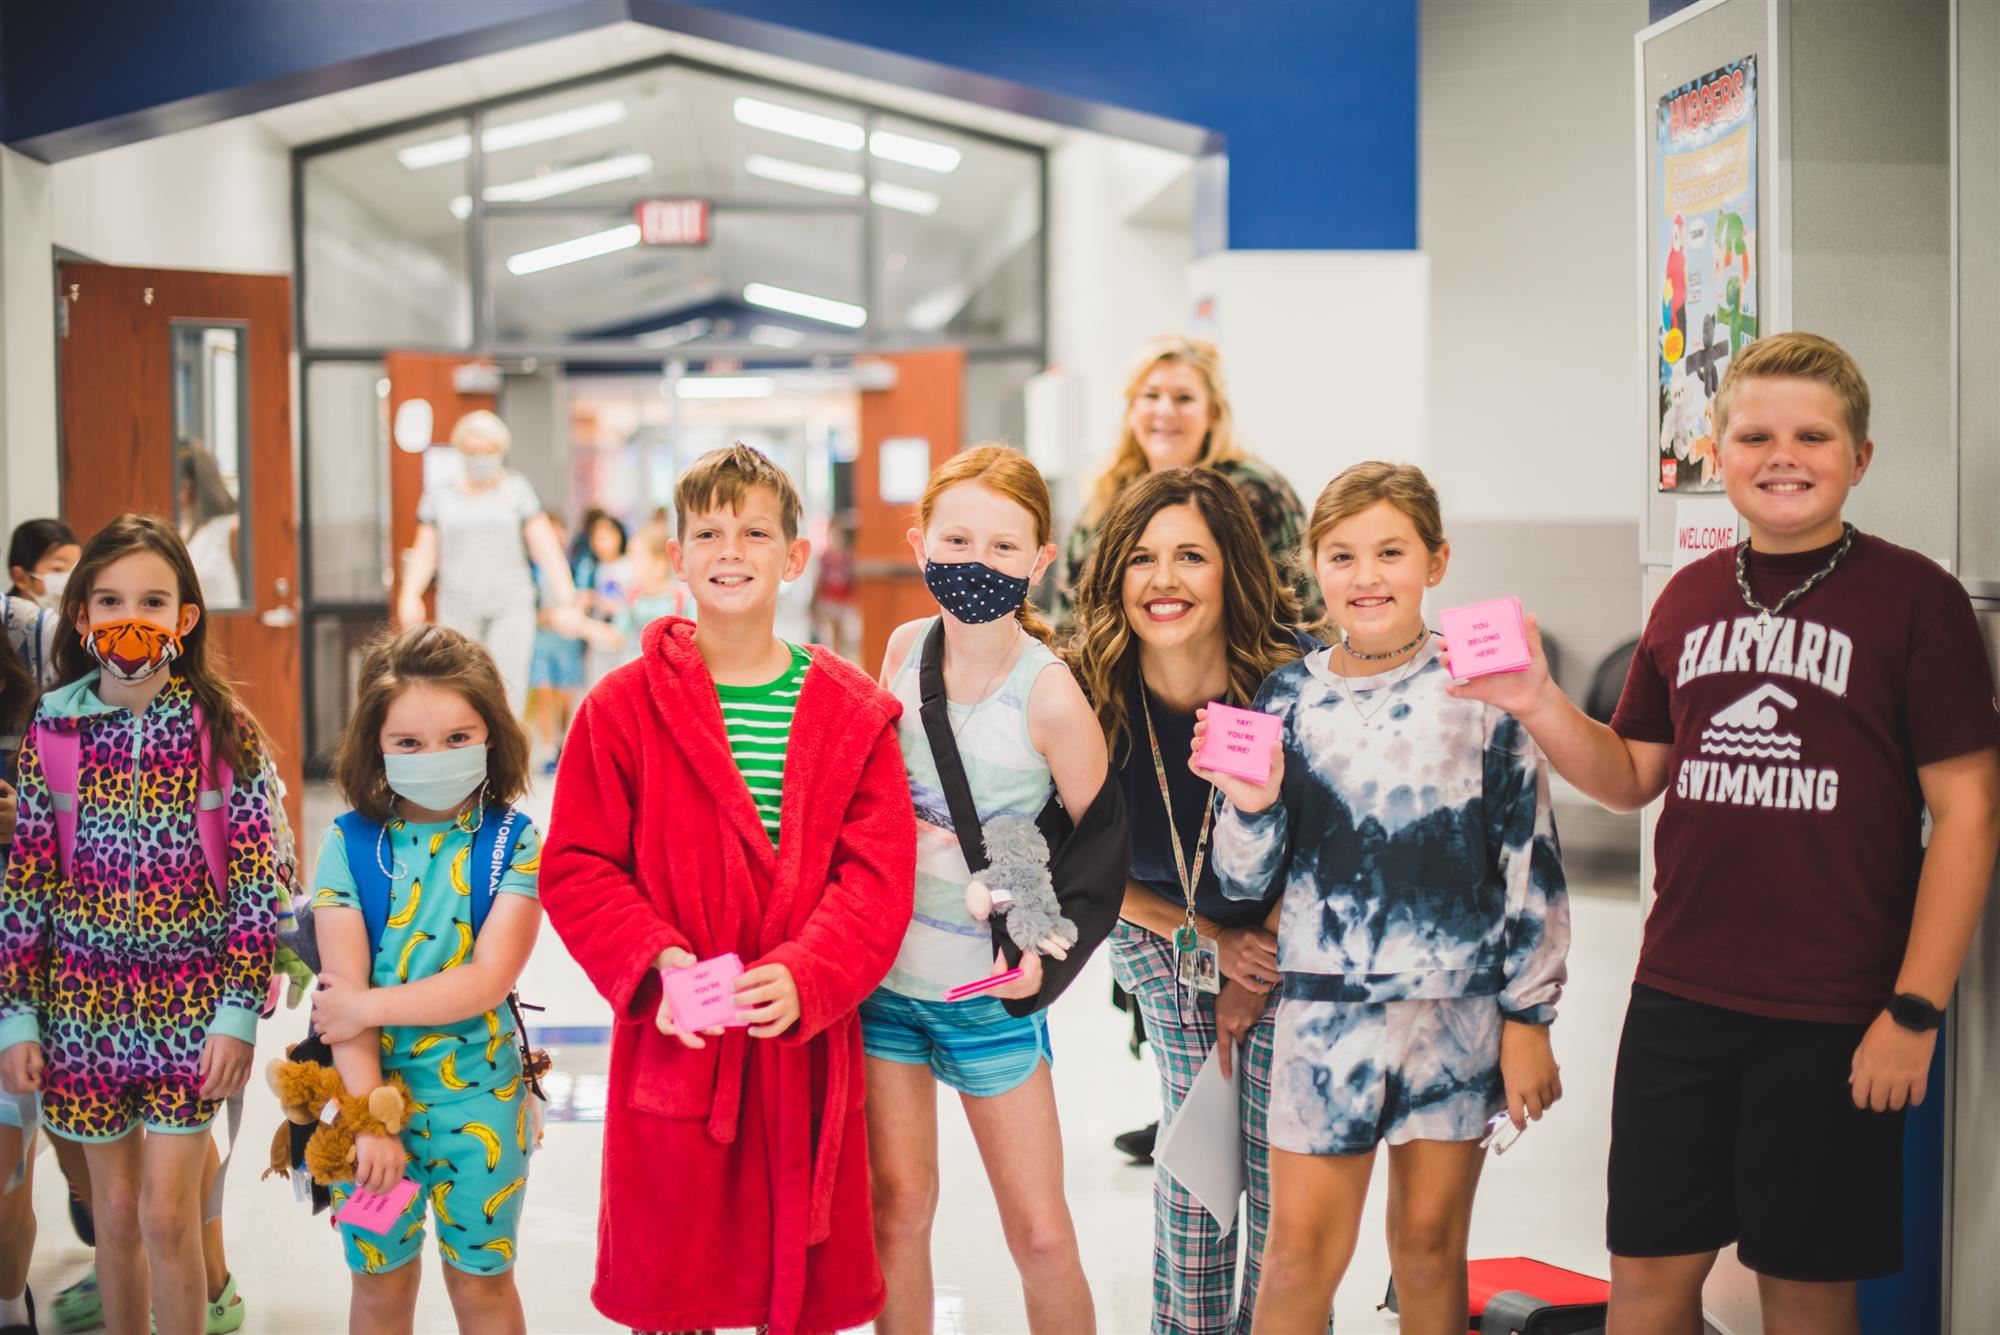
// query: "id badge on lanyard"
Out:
[1197,958]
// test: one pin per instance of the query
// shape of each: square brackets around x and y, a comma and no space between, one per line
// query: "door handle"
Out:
[280,618]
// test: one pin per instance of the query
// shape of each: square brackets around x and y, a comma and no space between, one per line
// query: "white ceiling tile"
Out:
[526,67]
[409,97]
[307,122]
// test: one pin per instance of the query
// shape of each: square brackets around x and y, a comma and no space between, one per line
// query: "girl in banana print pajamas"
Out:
[431,758]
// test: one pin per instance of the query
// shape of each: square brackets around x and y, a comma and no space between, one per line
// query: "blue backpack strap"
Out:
[492,846]
[371,885]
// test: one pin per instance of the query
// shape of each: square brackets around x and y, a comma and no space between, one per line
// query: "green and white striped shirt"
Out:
[758,720]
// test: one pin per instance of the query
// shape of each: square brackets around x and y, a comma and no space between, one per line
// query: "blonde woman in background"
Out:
[475,537]
[1177,415]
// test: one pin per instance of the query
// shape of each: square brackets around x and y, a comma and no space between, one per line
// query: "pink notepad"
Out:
[376,1214]
[703,996]
[1486,638]
[1238,742]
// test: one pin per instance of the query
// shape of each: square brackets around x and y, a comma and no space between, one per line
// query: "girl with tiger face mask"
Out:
[136,925]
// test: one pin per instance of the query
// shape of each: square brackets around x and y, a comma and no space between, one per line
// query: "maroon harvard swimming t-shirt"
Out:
[1787,854]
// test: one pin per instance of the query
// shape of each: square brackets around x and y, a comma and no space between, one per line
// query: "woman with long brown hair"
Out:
[1179,606]
[1178,415]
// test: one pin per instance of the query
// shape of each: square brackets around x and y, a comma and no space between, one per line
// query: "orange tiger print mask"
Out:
[132,649]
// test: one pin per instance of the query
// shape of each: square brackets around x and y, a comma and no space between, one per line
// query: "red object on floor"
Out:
[1513,1295]
[1518,1274]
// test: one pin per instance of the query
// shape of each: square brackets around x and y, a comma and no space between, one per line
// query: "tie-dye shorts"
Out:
[1347,1076]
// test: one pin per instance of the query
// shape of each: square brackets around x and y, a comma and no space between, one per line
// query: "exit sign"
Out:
[672,222]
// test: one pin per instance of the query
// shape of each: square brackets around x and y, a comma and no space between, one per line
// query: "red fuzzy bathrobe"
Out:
[735,1177]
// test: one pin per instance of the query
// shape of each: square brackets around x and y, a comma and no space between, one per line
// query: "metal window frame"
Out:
[606,355]
[245,553]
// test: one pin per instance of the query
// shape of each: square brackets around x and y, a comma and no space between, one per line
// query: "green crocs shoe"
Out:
[79,1307]
[225,1314]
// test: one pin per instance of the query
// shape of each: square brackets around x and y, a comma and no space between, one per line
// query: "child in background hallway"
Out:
[177,967]
[431,761]
[555,676]
[1425,924]
[735,1160]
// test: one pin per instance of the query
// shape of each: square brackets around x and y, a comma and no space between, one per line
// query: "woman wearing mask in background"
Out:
[475,536]
[1180,606]
[1177,415]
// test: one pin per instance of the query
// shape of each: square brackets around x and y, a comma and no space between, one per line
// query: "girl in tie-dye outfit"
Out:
[1425,921]
[131,974]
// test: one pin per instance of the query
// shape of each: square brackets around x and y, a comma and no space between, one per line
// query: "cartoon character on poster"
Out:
[1707,234]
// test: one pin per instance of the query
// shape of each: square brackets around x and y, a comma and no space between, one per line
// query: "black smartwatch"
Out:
[1913,1012]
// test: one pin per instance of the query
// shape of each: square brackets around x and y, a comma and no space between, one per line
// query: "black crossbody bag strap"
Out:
[944,751]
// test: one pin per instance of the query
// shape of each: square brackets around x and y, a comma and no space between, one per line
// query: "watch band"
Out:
[1913,1012]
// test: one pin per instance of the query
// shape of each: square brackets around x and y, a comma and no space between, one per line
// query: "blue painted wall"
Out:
[1316,100]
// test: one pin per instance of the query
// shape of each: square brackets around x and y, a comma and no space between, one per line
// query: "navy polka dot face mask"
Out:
[973,591]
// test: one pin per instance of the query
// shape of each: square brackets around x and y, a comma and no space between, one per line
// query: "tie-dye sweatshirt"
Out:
[1415,839]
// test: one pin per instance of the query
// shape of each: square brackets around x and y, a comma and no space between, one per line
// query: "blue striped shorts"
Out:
[974,1045]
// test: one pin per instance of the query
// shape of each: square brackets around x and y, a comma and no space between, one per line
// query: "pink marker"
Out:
[986,984]
[377,1214]
[1486,638]
[702,996]
[1238,742]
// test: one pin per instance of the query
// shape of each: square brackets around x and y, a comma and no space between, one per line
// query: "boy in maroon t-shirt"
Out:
[1800,701]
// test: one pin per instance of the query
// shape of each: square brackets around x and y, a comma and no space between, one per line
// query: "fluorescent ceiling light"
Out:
[514,134]
[823,309]
[837,133]
[622,167]
[836,182]
[776,336]
[725,387]
[577,248]
[892,196]
[820,129]
[832,181]
[913,152]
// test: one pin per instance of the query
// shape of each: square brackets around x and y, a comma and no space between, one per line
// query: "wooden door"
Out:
[924,404]
[158,368]
[431,377]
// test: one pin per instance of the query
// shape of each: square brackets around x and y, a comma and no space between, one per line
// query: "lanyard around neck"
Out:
[1188,881]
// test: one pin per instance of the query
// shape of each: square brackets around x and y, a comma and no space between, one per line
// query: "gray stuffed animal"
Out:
[1017,885]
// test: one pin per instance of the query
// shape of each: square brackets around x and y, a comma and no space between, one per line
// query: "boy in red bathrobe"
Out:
[731,792]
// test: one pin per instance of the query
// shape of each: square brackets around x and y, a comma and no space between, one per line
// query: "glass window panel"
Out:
[211,480]
[348,463]
[385,258]
[958,237]
[584,276]
[674,132]
[996,404]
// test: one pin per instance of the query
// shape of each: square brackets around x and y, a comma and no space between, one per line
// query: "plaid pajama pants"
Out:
[1194,1261]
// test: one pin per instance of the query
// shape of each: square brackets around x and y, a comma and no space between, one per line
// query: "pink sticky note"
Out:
[377,1214]
[1486,638]
[1238,742]
[703,996]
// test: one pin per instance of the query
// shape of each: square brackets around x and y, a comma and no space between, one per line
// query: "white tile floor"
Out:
[1545,1198]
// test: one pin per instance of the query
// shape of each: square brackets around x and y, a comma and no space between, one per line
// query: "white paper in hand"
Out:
[1202,1147]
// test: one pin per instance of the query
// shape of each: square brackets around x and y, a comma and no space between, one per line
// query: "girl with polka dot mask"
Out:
[1021,729]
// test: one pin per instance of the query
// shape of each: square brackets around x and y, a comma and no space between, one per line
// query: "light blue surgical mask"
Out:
[436,780]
